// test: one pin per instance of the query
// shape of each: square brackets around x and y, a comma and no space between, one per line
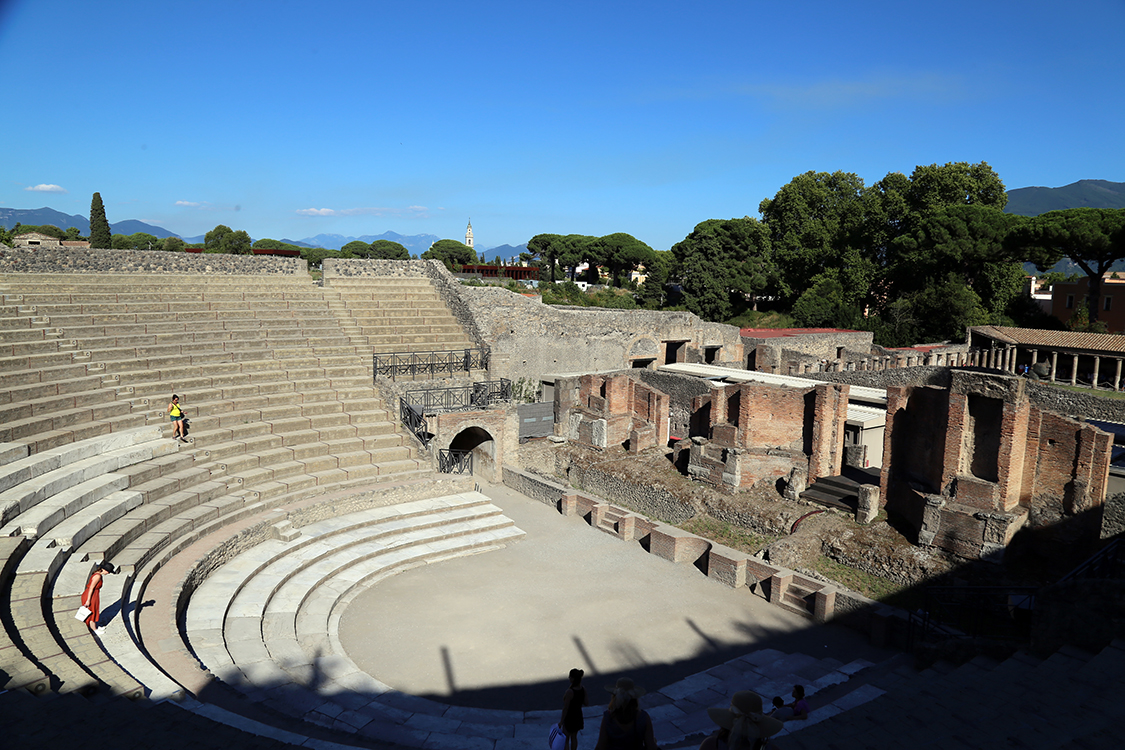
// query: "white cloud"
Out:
[414,211]
[46,189]
[190,204]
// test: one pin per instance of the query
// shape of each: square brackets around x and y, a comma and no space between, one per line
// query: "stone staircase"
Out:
[841,491]
[279,390]
[1071,700]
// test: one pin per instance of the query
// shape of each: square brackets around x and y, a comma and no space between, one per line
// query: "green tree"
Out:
[825,304]
[223,239]
[49,230]
[172,245]
[100,235]
[213,240]
[387,250]
[813,221]
[1094,238]
[934,188]
[621,253]
[355,249]
[144,241]
[120,242]
[657,273]
[73,234]
[316,255]
[452,253]
[266,243]
[723,265]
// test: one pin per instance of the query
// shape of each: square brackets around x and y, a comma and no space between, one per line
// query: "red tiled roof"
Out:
[1104,342]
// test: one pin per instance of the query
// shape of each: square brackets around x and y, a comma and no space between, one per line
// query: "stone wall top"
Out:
[361,267]
[88,260]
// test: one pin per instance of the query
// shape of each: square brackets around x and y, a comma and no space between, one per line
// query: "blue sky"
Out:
[293,119]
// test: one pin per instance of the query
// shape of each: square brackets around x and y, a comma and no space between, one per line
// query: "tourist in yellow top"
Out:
[177,415]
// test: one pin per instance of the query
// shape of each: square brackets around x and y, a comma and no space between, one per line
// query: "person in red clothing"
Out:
[91,597]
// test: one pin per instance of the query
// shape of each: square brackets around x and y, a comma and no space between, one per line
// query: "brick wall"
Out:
[970,466]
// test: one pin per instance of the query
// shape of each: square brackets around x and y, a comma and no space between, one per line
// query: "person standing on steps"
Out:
[177,415]
[91,596]
[624,725]
[573,700]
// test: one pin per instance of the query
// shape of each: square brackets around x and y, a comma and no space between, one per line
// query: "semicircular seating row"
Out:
[276,375]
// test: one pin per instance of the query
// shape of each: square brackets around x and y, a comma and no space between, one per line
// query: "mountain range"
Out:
[1028,201]
[1032,201]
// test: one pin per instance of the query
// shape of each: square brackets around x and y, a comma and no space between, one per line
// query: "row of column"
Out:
[1004,358]
[891,362]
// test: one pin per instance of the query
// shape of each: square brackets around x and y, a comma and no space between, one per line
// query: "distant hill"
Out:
[9,217]
[509,253]
[1032,201]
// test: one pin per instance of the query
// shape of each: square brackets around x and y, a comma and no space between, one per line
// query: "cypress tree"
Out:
[100,235]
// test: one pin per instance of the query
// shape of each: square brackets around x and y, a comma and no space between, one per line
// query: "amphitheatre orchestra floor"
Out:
[503,628]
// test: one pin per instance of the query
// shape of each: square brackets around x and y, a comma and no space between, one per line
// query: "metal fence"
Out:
[473,396]
[402,364]
[455,462]
[415,406]
[1109,562]
[1001,613]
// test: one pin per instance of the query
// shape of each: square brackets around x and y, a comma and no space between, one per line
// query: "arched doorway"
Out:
[477,442]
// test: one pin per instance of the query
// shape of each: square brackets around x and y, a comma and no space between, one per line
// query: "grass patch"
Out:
[871,586]
[724,533]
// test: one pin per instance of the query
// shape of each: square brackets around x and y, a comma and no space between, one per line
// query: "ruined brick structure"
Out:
[969,466]
[757,431]
[614,409]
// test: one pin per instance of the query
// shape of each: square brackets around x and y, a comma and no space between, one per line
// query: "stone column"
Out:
[1034,357]
[1054,365]
[1117,377]
[1097,366]
[1074,370]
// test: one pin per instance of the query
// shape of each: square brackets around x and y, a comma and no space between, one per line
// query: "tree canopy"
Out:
[100,235]
[621,253]
[1091,237]
[451,252]
[387,250]
[223,239]
[723,264]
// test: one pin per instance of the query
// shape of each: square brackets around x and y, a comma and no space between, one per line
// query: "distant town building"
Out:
[1067,296]
[469,234]
[36,239]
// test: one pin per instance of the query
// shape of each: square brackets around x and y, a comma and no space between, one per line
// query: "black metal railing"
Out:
[1001,613]
[401,364]
[455,462]
[415,406]
[1108,562]
[473,396]
[415,420]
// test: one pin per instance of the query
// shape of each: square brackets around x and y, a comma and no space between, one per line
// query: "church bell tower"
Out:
[469,234]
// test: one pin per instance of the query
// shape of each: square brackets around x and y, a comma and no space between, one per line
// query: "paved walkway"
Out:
[501,630]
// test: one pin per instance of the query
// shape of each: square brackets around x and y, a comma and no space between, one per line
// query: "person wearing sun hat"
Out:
[624,725]
[746,725]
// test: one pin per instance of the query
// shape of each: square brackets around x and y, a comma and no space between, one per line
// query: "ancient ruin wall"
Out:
[1001,465]
[530,339]
[91,261]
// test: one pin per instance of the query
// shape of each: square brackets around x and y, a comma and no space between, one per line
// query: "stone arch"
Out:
[483,433]
[643,349]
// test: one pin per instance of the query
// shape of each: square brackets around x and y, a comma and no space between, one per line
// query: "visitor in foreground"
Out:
[624,725]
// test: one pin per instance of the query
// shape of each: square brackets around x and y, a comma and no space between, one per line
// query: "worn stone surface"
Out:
[87,260]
